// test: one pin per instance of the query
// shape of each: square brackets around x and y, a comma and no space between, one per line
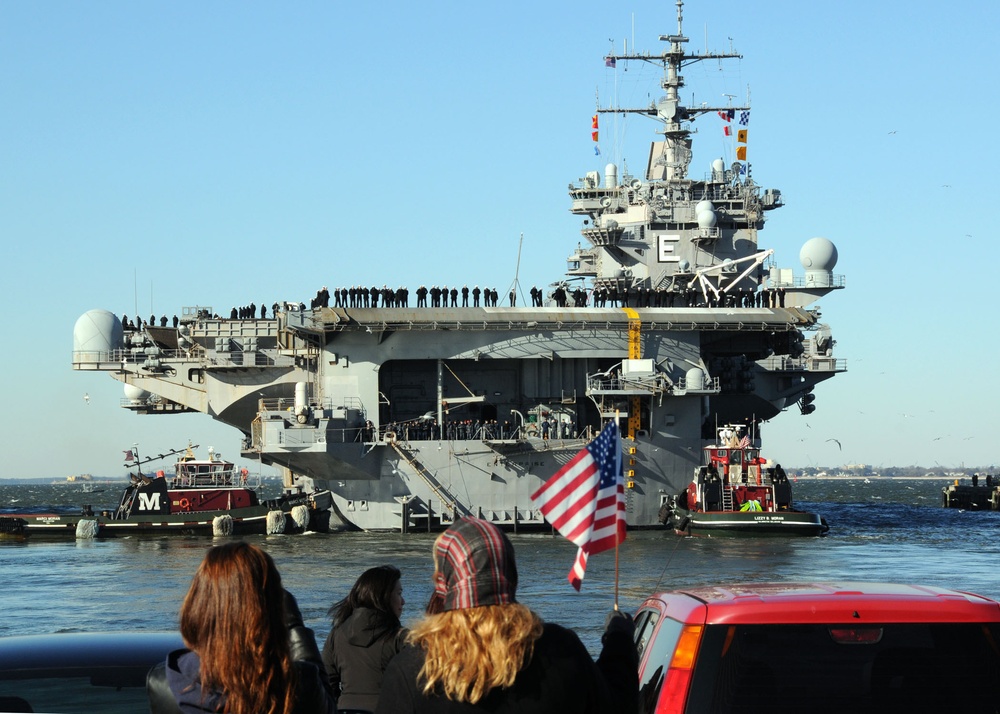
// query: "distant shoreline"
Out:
[932,477]
[109,481]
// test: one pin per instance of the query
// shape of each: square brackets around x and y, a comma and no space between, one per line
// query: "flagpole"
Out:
[617,538]
[616,570]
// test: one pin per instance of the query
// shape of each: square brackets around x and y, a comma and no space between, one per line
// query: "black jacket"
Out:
[174,686]
[357,652]
[561,677]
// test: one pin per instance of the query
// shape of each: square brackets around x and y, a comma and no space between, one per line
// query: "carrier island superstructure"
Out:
[414,416]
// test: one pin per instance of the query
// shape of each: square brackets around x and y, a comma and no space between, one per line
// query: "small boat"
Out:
[735,492]
[209,496]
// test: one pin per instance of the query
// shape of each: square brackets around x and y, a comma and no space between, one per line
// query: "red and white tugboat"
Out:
[202,496]
[735,492]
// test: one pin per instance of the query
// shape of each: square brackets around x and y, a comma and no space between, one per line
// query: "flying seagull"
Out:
[838,444]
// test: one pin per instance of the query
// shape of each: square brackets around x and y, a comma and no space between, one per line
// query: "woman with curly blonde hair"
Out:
[249,652]
[479,650]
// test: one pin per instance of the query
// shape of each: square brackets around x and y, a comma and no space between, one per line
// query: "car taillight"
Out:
[673,693]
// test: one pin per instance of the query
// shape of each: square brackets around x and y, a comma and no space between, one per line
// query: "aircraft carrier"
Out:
[672,318]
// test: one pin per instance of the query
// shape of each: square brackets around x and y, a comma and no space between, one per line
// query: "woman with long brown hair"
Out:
[479,650]
[249,652]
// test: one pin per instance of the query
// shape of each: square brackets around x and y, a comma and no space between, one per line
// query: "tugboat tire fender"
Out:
[682,526]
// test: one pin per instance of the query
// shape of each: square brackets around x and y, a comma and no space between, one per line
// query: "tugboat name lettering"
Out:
[149,501]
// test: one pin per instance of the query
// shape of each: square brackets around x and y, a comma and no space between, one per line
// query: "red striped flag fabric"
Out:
[585,500]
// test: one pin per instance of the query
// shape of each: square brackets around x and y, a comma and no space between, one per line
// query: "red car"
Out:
[820,648]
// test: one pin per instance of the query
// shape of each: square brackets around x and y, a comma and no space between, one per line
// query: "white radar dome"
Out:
[135,394]
[96,334]
[818,254]
[703,206]
[706,219]
[610,176]
[718,165]
[695,378]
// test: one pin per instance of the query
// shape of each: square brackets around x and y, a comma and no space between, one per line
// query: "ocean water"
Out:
[886,530]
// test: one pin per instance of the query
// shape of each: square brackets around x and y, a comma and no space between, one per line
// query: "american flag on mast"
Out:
[585,499]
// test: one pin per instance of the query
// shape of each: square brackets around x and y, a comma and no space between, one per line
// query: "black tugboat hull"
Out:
[749,524]
[245,521]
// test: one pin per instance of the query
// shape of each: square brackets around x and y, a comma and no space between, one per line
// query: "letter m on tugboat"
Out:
[146,498]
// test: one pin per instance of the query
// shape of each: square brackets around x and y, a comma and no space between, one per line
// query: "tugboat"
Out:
[737,493]
[207,496]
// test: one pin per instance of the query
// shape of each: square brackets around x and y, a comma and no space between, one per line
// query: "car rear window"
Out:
[71,694]
[898,667]
[107,691]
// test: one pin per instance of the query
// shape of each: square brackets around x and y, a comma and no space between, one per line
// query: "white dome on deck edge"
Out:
[135,394]
[818,254]
[95,334]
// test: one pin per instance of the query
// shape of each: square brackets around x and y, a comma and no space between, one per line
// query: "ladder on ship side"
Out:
[727,497]
[457,509]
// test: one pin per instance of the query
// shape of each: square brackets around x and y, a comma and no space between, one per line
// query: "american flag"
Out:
[129,456]
[585,499]
[745,442]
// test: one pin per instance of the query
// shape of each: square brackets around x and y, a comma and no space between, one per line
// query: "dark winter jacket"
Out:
[182,676]
[560,677]
[174,686]
[356,653]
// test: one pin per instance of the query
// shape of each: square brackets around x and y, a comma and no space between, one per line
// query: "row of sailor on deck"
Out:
[428,429]
[434,296]
[475,649]
[687,297]
[560,296]
[132,326]
[601,296]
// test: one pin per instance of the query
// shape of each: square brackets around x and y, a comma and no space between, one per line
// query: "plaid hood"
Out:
[474,566]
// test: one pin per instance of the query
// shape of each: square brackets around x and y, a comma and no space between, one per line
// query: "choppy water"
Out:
[885,530]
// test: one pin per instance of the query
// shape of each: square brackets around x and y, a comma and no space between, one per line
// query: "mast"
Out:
[675,117]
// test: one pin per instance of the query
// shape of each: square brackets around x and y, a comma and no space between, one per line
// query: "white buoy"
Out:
[222,525]
[275,522]
[300,514]
[86,528]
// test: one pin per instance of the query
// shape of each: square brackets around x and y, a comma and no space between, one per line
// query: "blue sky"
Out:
[161,155]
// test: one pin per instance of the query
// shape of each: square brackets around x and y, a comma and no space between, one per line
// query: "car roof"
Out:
[846,602]
[28,655]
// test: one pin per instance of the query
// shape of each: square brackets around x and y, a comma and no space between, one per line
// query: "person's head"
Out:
[474,565]
[379,589]
[233,617]
[476,637]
